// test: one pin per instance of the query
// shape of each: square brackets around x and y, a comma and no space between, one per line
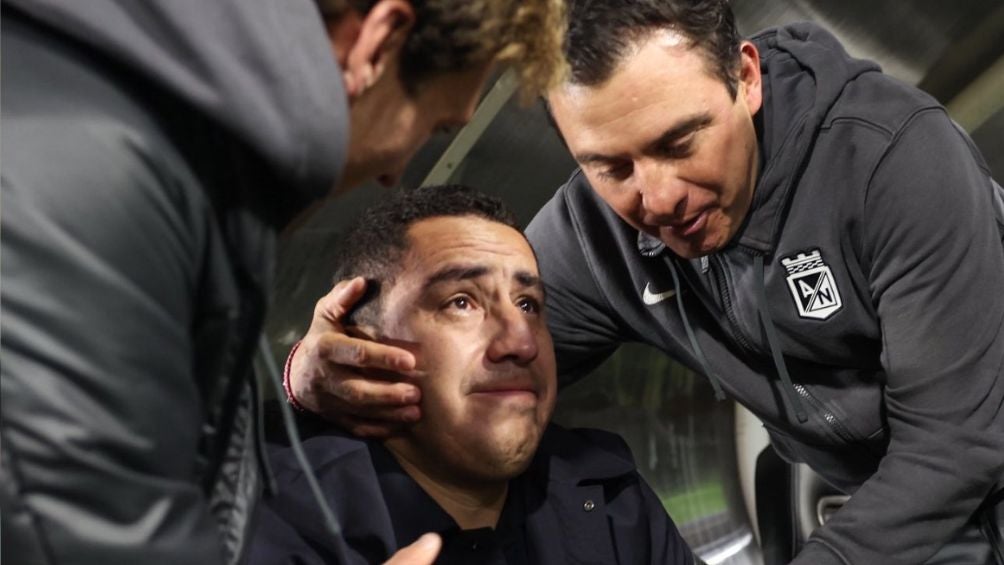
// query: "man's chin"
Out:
[510,454]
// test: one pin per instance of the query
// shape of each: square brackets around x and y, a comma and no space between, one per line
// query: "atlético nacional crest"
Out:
[812,285]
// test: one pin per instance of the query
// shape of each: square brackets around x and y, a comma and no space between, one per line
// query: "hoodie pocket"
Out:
[867,431]
[844,465]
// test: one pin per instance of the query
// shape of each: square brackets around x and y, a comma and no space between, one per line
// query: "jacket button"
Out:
[588,505]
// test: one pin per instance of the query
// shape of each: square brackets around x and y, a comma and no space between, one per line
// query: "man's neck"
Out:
[471,504]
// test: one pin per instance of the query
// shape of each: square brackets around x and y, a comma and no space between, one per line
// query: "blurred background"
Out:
[698,454]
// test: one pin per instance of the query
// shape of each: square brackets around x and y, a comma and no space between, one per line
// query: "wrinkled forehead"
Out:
[442,238]
[457,248]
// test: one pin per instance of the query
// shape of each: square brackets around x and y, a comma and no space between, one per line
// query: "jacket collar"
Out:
[412,511]
[565,456]
[649,246]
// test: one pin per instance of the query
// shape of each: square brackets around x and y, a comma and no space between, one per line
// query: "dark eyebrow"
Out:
[467,272]
[681,129]
[675,132]
[455,273]
[528,279]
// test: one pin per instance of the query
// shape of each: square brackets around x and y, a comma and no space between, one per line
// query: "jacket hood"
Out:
[261,69]
[805,69]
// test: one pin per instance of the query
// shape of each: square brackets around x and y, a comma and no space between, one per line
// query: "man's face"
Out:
[469,304]
[389,124]
[664,143]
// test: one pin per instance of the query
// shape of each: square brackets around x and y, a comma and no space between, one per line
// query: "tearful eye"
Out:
[529,305]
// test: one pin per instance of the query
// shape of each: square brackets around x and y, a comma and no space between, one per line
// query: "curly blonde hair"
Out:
[453,35]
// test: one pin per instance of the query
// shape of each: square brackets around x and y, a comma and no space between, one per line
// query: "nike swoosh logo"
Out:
[650,298]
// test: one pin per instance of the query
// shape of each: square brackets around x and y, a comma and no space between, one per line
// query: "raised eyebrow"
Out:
[525,279]
[455,273]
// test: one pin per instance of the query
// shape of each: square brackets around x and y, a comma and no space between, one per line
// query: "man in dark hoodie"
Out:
[817,238]
[151,152]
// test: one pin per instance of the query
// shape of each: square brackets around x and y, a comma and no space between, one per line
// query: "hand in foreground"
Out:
[354,382]
[422,552]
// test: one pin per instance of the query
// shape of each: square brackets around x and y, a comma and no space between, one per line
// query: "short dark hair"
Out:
[601,31]
[374,246]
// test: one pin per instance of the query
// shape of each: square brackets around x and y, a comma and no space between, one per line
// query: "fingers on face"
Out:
[340,349]
[337,302]
[363,396]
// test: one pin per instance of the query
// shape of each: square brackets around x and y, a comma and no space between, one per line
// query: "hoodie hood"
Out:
[263,70]
[805,70]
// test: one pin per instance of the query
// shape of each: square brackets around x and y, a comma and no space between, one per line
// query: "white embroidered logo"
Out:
[812,285]
[650,298]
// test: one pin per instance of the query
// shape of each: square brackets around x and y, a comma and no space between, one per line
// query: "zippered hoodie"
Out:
[858,311]
[151,150]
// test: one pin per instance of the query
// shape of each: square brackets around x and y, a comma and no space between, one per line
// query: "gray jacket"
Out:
[859,311]
[150,152]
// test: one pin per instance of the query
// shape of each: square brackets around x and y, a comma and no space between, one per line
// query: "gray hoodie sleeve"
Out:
[579,316]
[937,274]
[100,410]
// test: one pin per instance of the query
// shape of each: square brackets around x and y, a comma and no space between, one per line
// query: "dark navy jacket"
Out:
[581,501]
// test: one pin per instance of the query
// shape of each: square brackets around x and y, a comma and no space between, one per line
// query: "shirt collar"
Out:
[412,511]
[566,456]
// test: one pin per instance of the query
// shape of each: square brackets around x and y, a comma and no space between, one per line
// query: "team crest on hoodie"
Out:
[812,285]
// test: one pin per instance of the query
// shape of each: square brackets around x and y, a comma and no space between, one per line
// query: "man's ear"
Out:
[749,77]
[366,44]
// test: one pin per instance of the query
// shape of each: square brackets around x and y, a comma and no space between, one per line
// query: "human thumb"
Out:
[422,552]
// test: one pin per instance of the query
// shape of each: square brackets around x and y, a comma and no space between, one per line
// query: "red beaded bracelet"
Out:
[285,379]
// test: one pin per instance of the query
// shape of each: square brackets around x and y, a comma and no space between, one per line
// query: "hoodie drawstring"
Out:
[715,384]
[794,401]
[330,520]
[261,454]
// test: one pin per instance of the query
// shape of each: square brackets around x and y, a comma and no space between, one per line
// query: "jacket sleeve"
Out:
[577,313]
[101,409]
[937,274]
[668,546]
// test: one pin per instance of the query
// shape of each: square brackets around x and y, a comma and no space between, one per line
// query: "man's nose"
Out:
[515,338]
[663,194]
